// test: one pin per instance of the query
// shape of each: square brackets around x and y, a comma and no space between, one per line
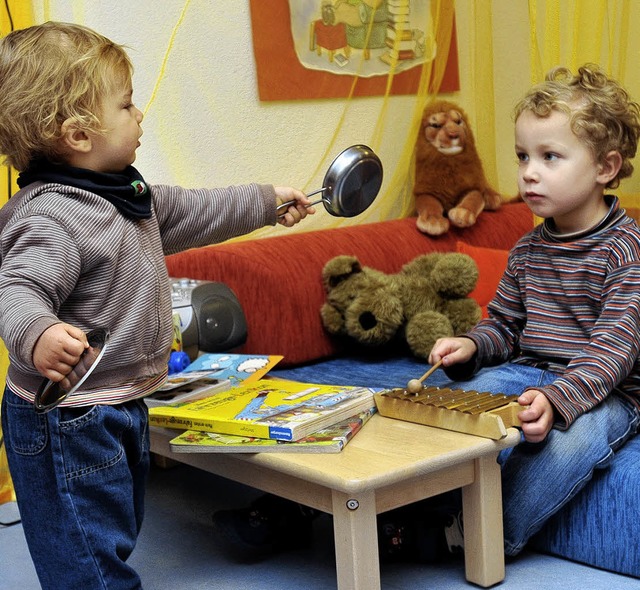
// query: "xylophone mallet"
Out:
[415,385]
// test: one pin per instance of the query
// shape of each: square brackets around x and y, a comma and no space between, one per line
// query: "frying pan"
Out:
[351,183]
[51,394]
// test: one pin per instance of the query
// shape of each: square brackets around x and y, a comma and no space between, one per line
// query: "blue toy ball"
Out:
[178,361]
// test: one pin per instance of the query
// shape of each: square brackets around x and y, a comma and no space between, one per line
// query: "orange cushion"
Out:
[491,266]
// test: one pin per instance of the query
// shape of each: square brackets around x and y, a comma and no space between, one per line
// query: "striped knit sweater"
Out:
[571,304]
[68,255]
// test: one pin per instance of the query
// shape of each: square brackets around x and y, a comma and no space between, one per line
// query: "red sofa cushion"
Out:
[492,263]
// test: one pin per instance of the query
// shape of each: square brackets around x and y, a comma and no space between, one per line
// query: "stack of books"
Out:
[331,439]
[401,38]
[268,415]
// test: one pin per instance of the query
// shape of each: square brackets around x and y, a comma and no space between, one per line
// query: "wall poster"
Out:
[323,48]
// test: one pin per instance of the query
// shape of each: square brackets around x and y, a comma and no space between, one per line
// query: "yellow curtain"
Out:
[397,201]
[479,75]
[430,80]
[14,14]
[574,32]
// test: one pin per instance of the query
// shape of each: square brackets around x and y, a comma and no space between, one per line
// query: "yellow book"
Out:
[267,408]
[328,440]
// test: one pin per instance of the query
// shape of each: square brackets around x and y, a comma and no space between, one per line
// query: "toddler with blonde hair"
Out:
[82,245]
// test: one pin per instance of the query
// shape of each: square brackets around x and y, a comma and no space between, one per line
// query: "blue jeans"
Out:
[538,479]
[79,476]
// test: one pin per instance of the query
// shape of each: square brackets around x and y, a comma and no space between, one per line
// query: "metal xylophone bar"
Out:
[473,402]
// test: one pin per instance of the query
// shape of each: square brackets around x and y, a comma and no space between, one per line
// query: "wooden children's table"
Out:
[388,464]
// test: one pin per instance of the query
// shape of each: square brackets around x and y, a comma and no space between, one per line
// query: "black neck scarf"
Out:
[126,190]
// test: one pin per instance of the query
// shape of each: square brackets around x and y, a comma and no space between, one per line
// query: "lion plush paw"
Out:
[461,217]
[432,225]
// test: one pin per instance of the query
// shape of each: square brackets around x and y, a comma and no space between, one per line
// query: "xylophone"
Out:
[472,412]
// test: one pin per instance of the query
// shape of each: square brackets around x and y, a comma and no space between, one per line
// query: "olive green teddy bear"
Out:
[428,299]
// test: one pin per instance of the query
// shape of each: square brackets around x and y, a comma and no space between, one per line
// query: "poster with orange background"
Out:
[306,49]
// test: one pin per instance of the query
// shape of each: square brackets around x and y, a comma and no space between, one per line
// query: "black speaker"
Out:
[211,316]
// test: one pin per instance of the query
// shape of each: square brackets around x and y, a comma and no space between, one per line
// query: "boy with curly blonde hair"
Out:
[82,245]
[563,328]
[562,331]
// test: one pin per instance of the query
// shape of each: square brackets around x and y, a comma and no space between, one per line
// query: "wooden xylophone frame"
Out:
[472,412]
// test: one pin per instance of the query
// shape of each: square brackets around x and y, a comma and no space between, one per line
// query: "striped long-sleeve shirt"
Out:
[69,256]
[571,304]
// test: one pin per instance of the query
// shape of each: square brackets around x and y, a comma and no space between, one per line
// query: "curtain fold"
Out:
[574,32]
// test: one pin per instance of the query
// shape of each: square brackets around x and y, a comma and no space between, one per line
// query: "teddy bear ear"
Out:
[338,269]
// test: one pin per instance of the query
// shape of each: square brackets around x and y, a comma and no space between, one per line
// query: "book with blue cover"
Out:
[211,373]
[237,368]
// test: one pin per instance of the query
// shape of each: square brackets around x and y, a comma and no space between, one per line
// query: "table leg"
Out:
[483,533]
[356,538]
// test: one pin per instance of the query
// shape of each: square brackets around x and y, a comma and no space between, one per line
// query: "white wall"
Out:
[207,125]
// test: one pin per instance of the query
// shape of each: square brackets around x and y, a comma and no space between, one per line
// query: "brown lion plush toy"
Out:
[450,185]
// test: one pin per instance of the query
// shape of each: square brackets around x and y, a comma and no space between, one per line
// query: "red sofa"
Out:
[278,280]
